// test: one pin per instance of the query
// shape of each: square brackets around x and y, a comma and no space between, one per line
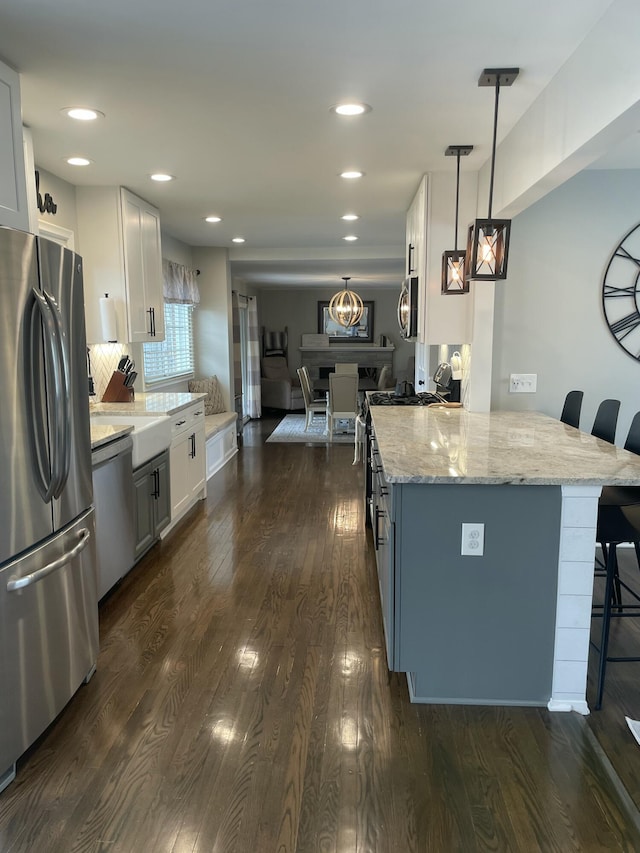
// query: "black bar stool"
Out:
[571,409]
[604,425]
[616,524]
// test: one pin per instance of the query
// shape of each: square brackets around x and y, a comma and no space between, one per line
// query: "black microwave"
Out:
[408,308]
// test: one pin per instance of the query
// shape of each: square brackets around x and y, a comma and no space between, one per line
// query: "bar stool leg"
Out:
[612,565]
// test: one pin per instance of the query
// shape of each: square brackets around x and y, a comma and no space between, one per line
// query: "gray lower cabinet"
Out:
[384,540]
[468,629]
[152,501]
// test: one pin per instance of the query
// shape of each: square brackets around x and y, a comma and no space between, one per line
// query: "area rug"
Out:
[291,429]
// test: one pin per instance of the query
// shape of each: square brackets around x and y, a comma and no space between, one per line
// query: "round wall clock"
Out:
[621,293]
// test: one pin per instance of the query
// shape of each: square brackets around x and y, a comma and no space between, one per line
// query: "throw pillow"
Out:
[214,401]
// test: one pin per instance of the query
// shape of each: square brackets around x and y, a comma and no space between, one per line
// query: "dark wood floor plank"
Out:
[242,703]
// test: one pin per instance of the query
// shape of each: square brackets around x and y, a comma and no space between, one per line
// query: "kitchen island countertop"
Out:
[444,445]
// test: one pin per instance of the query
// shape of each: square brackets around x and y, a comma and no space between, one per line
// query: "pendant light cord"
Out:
[455,237]
[493,152]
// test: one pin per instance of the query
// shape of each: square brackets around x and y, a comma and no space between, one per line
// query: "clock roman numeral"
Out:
[621,252]
[610,290]
[626,325]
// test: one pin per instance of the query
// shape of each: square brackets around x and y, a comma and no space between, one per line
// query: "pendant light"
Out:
[488,240]
[453,277]
[346,306]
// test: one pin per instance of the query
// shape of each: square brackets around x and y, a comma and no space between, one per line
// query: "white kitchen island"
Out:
[510,625]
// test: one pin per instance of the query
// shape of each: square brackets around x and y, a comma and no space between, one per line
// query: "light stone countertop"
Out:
[158,403]
[437,445]
[102,434]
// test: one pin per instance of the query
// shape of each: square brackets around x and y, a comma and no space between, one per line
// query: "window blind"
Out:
[173,357]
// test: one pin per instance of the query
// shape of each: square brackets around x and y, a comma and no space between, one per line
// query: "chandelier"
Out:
[345,307]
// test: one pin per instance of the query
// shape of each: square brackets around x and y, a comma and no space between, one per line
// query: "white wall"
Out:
[213,331]
[548,317]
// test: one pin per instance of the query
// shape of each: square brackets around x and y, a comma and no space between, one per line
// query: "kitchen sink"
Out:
[151,433]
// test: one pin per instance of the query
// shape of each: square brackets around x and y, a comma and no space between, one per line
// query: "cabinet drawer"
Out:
[187,420]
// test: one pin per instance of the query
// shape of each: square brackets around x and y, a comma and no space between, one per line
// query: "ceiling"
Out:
[233,98]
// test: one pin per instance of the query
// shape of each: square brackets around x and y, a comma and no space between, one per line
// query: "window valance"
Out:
[180,283]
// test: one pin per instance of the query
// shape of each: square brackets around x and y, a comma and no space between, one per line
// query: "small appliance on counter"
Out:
[448,379]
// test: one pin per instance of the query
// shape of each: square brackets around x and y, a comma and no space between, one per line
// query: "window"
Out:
[173,357]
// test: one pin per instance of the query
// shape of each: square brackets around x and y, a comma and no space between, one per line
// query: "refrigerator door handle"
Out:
[43,466]
[61,403]
[19,583]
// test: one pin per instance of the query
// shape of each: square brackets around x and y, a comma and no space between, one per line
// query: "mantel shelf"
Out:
[369,358]
[347,348]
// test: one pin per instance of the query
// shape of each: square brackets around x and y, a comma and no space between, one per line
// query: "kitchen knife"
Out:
[130,378]
[123,363]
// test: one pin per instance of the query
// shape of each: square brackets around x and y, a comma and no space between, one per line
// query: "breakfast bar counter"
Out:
[498,611]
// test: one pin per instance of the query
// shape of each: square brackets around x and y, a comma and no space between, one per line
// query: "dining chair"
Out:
[312,405]
[606,419]
[571,409]
[346,367]
[343,399]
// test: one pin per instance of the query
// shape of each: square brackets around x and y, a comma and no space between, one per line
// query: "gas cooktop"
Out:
[388,398]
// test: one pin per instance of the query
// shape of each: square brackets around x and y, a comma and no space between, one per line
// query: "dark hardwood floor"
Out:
[242,703]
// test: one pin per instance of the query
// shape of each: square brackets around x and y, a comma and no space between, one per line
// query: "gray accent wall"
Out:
[298,310]
[548,313]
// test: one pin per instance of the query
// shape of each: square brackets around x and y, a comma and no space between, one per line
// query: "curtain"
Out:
[179,283]
[237,359]
[254,402]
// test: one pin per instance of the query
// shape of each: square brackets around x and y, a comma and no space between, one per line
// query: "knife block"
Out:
[116,391]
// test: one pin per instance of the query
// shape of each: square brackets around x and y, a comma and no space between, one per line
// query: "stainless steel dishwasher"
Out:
[113,499]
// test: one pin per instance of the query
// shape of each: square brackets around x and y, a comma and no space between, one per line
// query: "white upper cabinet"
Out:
[13,188]
[443,318]
[416,249]
[119,240]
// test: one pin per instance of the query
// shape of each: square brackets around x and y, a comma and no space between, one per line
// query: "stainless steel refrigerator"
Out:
[48,597]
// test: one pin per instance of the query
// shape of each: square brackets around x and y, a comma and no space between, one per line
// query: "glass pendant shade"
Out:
[488,249]
[345,307]
[453,272]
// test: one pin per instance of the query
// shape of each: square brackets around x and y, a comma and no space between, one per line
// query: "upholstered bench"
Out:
[220,440]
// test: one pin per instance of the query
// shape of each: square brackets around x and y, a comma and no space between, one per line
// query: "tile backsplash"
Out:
[104,360]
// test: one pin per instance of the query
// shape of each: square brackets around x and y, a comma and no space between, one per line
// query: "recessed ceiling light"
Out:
[161,176]
[82,113]
[351,174]
[78,161]
[350,238]
[237,239]
[351,109]
[213,219]
[350,217]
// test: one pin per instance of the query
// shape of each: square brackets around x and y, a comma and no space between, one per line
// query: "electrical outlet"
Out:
[472,540]
[523,383]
